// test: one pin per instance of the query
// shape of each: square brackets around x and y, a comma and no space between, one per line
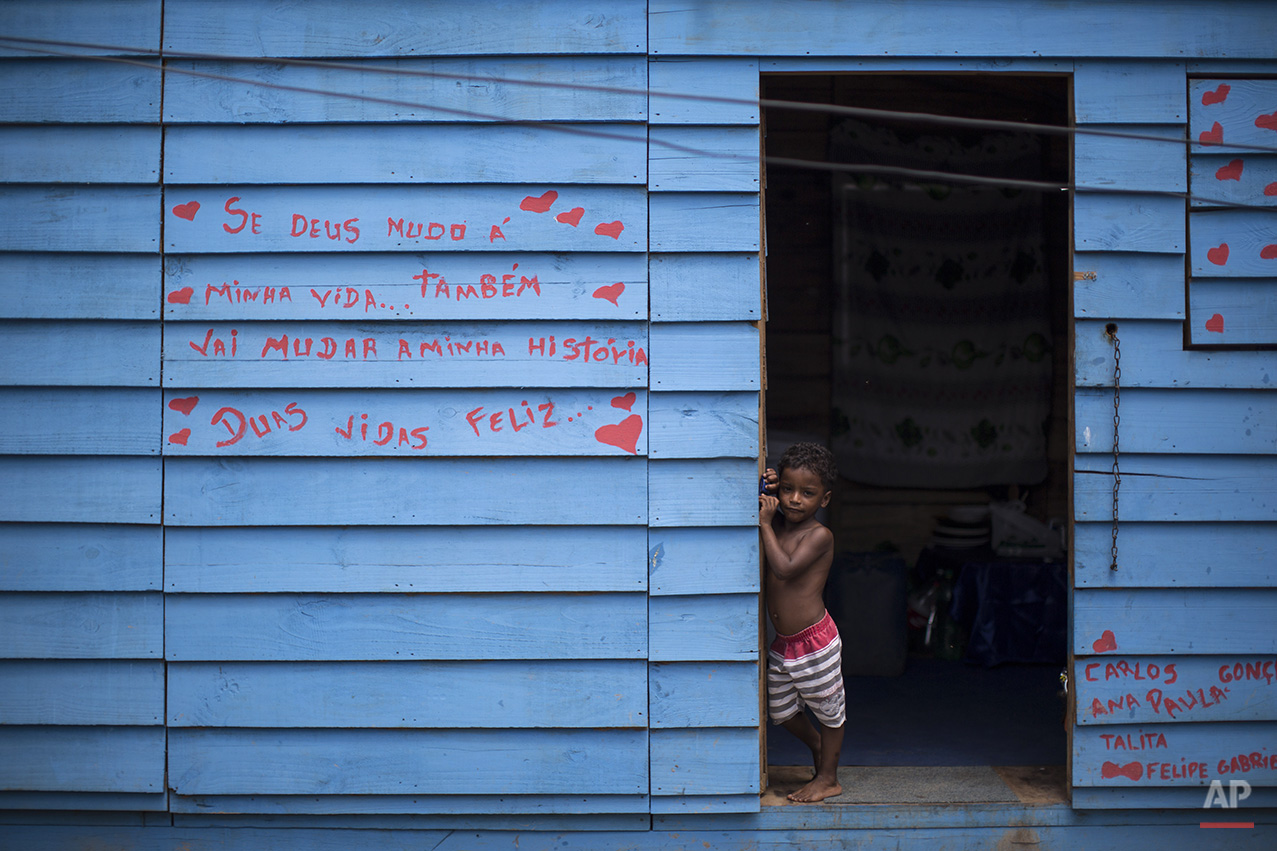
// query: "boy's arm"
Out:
[816,544]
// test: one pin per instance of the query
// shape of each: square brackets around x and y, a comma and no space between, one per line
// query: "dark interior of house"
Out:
[920,327]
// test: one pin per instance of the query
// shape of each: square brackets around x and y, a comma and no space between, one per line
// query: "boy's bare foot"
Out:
[818,789]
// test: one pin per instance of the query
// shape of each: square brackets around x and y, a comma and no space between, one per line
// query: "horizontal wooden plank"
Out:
[82,759]
[462,694]
[405,559]
[1141,164]
[704,804]
[921,28]
[714,627]
[80,489]
[386,28]
[420,285]
[1188,421]
[406,153]
[705,287]
[126,22]
[1176,487]
[412,806]
[341,354]
[1174,620]
[1129,91]
[717,492]
[1121,222]
[79,421]
[87,154]
[1173,755]
[703,425]
[402,492]
[686,158]
[408,89]
[512,423]
[1183,798]
[83,218]
[422,762]
[81,626]
[128,807]
[1128,286]
[1236,105]
[704,561]
[1232,244]
[1233,312]
[79,91]
[704,221]
[706,761]
[390,627]
[73,353]
[80,557]
[1157,555]
[1153,355]
[705,356]
[430,828]
[396,218]
[697,90]
[79,286]
[704,694]
[89,693]
[1239,178]
[1167,689]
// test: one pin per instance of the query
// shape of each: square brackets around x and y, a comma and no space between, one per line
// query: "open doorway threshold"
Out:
[902,785]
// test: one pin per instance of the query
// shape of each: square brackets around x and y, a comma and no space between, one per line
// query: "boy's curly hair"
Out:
[813,457]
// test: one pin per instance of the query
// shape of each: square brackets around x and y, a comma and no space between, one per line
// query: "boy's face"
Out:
[801,494]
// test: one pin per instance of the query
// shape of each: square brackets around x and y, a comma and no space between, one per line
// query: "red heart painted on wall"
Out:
[1216,324]
[1219,254]
[1131,771]
[186,404]
[626,401]
[571,217]
[1218,96]
[187,211]
[534,204]
[1232,171]
[623,435]
[1270,190]
[612,229]
[1268,252]
[611,292]
[182,296]
[1213,136]
[1267,121]
[180,437]
[1106,642]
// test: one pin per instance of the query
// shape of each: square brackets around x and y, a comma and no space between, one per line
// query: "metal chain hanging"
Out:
[1117,419]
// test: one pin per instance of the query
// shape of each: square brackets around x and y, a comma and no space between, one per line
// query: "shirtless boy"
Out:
[804,663]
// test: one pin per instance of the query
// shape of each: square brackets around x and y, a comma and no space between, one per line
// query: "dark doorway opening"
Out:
[930,683]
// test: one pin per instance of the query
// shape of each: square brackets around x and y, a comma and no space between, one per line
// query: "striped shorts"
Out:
[806,668]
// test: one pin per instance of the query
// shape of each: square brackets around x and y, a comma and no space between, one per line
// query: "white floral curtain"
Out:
[942,348]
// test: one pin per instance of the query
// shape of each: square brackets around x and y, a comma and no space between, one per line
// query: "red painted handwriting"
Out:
[1266,671]
[303,226]
[218,344]
[490,423]
[588,350]
[435,284]
[235,421]
[1253,761]
[456,231]
[233,293]
[383,433]
[1140,741]
[244,217]
[1122,669]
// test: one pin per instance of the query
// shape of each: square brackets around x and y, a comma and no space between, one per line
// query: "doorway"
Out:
[870,277]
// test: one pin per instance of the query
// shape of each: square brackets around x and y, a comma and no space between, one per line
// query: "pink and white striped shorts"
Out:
[806,668]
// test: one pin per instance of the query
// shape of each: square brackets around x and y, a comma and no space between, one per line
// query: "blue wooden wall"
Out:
[377,444]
